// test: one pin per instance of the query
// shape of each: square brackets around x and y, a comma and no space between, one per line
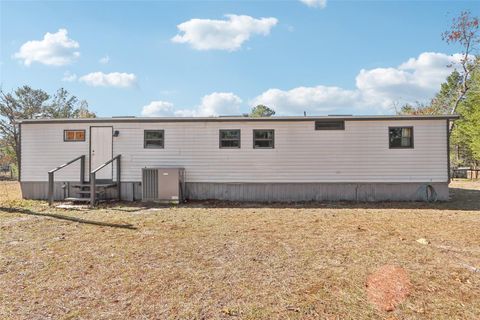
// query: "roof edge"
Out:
[237,119]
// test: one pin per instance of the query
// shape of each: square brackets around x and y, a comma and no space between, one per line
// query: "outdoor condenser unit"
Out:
[165,184]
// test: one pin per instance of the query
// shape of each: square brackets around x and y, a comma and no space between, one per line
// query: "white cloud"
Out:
[114,79]
[69,77]
[158,109]
[316,100]
[104,60]
[229,34]
[377,90]
[315,3]
[417,79]
[214,104]
[55,49]
[219,103]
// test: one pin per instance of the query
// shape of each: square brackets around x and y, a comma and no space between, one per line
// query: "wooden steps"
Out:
[88,192]
[72,199]
[84,192]
[98,185]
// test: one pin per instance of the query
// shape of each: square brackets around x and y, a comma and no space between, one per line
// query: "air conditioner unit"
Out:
[165,184]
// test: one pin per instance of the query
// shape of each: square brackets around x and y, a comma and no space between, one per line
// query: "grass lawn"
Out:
[207,260]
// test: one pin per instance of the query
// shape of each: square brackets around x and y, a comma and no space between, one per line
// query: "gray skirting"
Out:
[281,192]
[274,192]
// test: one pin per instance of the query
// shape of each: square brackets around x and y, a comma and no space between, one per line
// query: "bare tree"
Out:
[465,32]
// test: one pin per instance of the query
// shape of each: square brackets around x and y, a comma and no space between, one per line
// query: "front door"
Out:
[101,150]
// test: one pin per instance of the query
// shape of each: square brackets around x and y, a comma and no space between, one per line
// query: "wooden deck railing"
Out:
[93,179]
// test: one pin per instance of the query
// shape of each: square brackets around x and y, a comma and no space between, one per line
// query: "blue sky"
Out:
[188,58]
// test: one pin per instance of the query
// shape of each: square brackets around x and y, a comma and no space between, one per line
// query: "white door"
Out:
[101,150]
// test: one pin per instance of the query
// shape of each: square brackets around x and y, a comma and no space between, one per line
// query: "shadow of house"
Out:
[67,218]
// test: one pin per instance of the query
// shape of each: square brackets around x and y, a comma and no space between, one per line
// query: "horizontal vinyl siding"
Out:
[360,153]
[43,149]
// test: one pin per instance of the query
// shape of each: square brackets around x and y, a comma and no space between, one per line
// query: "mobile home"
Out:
[360,158]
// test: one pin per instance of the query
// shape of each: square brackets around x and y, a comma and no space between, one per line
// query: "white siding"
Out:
[360,153]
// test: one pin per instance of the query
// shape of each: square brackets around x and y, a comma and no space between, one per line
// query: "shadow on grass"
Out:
[67,218]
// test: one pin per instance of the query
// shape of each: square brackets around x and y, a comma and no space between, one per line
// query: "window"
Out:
[330,125]
[400,137]
[73,135]
[230,139]
[153,139]
[263,139]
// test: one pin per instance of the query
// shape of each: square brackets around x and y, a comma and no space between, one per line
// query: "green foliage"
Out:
[467,129]
[261,111]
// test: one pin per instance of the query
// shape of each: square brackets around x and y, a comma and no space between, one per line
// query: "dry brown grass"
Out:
[9,190]
[220,260]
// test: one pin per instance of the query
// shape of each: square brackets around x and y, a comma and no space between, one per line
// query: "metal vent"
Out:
[150,184]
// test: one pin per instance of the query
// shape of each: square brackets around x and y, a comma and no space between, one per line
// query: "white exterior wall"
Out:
[360,153]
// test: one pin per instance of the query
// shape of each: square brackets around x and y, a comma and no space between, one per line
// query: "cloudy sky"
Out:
[202,58]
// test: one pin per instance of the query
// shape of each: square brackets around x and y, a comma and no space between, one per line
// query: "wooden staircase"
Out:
[84,189]
[84,193]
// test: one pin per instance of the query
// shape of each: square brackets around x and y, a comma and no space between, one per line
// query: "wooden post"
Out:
[92,189]
[50,188]
[82,169]
[119,180]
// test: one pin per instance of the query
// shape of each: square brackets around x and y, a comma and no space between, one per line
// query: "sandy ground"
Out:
[211,260]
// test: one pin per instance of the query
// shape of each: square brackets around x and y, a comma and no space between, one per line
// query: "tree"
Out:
[466,136]
[64,105]
[456,94]
[464,31]
[261,111]
[25,103]
[416,109]
[28,103]
[446,98]
[441,103]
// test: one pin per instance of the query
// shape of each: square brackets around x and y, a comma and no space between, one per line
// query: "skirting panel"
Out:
[283,192]
[272,192]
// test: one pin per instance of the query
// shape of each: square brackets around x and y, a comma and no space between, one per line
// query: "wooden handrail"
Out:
[65,164]
[51,177]
[93,179]
[105,164]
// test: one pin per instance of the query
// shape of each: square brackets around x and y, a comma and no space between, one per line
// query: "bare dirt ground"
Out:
[211,260]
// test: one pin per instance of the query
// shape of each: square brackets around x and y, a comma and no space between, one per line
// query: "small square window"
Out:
[73,135]
[153,139]
[230,139]
[400,137]
[263,139]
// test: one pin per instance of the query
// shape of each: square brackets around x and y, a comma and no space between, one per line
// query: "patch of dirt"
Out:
[387,287]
